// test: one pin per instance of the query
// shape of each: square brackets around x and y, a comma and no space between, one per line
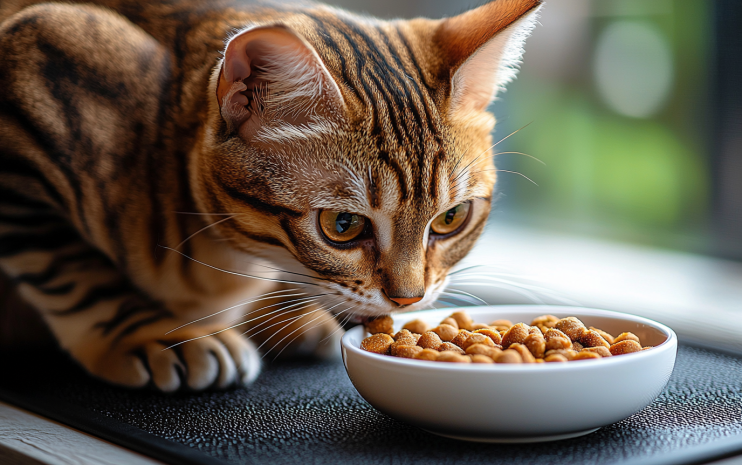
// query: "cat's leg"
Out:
[107,325]
[112,329]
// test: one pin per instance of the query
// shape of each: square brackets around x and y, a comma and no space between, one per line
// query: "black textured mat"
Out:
[308,412]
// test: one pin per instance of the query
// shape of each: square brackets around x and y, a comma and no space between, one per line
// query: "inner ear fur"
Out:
[271,76]
[482,49]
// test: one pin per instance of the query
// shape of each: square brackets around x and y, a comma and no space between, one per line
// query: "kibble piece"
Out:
[517,334]
[416,326]
[525,354]
[429,340]
[501,325]
[536,344]
[477,326]
[569,354]
[585,355]
[451,322]
[600,350]
[407,351]
[404,338]
[445,332]
[592,338]
[477,338]
[447,346]
[463,319]
[490,333]
[481,349]
[544,322]
[427,354]
[379,343]
[605,335]
[648,347]
[449,356]
[626,337]
[555,358]
[479,358]
[572,327]
[462,336]
[406,335]
[509,356]
[556,339]
[383,324]
[576,346]
[626,346]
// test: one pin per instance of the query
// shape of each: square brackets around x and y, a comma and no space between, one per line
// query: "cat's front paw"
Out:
[217,361]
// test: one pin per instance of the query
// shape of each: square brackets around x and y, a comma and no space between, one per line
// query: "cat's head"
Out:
[358,151]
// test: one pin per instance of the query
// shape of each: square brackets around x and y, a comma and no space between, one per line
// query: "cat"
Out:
[175,175]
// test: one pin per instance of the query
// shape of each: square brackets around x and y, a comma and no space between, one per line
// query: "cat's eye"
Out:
[451,220]
[341,226]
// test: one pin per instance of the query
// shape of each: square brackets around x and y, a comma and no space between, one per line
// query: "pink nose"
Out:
[405,300]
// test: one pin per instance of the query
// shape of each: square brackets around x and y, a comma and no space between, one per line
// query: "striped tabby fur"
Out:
[146,169]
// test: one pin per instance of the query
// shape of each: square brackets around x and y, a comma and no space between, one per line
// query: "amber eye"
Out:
[341,226]
[450,221]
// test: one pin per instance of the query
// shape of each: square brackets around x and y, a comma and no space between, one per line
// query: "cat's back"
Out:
[75,80]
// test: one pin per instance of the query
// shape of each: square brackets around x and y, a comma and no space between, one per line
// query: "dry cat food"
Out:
[459,339]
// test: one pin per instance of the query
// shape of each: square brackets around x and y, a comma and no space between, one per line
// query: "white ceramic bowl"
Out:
[515,402]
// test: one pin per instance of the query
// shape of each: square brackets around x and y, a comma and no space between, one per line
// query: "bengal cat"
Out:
[177,175]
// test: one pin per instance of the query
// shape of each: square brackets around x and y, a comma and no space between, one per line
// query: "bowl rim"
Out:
[670,342]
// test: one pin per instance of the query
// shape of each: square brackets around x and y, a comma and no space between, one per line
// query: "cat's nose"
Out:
[405,300]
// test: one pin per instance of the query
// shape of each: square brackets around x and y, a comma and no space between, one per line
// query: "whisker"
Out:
[203,229]
[293,340]
[321,315]
[468,294]
[278,311]
[342,324]
[486,274]
[284,302]
[287,320]
[244,302]
[461,157]
[535,289]
[460,297]
[521,153]
[235,272]
[215,332]
[288,272]
[507,171]
[451,295]
[514,132]
[493,276]
[516,289]
[464,269]
[450,304]
[463,170]
[284,308]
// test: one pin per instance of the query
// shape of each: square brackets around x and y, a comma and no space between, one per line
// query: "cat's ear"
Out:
[482,49]
[272,76]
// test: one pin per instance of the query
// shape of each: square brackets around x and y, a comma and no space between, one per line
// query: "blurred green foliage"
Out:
[640,179]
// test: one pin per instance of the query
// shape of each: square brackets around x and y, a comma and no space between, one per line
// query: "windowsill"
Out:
[699,297]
